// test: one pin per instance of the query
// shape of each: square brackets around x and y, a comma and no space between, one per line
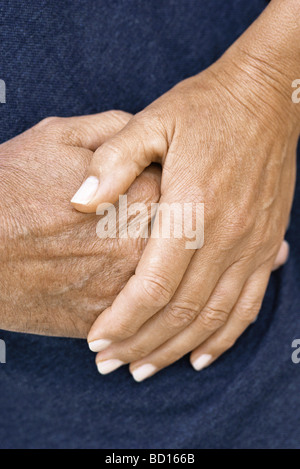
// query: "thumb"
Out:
[118,162]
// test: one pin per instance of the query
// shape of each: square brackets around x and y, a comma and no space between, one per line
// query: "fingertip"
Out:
[143,372]
[85,194]
[99,345]
[286,248]
[94,196]
[282,255]
[201,362]
[107,366]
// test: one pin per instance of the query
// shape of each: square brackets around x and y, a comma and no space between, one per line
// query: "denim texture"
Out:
[70,58]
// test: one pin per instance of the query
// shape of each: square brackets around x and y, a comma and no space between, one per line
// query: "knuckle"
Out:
[235,225]
[151,124]
[120,116]
[143,118]
[71,135]
[247,312]
[49,121]
[212,319]
[238,229]
[180,316]
[156,288]
[242,225]
[136,351]
[113,148]
[153,116]
[226,343]
[123,329]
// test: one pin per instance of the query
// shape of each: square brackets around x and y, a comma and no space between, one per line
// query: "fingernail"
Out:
[107,366]
[87,191]
[99,345]
[202,362]
[143,372]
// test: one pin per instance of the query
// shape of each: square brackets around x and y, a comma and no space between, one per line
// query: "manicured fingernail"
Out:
[201,362]
[143,372]
[107,366]
[99,345]
[87,191]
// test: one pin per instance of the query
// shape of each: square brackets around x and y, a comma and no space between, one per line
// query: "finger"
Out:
[146,188]
[178,314]
[157,277]
[181,311]
[282,255]
[175,349]
[91,131]
[190,299]
[245,311]
[213,316]
[85,131]
[158,274]
[117,163]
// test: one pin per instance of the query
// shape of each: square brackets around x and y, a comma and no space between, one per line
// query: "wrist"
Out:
[266,60]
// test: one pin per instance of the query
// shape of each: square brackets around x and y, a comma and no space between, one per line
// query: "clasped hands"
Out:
[225,138]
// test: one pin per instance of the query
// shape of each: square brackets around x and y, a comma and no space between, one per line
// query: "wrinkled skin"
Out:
[226,138]
[56,275]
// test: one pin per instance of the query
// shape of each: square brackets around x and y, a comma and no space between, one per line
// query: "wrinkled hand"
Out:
[56,275]
[226,138]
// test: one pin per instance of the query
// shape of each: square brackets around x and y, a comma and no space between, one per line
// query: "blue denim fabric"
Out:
[70,58]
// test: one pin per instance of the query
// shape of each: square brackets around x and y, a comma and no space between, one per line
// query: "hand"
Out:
[56,275]
[226,138]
